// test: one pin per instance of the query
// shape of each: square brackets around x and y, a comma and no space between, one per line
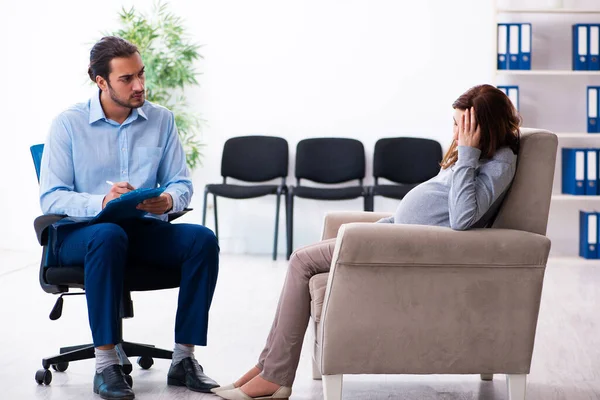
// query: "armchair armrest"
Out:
[418,245]
[334,220]
[41,225]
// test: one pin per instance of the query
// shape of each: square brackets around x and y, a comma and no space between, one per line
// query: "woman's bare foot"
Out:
[247,377]
[259,386]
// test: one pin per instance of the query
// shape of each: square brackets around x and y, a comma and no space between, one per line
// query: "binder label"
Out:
[592,230]
[594,40]
[502,40]
[592,168]
[525,38]
[582,34]
[579,166]
[592,103]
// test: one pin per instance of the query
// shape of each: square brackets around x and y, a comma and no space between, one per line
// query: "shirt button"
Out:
[124,171]
[123,149]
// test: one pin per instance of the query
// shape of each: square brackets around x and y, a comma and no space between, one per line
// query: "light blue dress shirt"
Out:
[84,149]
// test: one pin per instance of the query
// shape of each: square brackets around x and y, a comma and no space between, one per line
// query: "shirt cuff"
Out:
[468,156]
[94,205]
[175,196]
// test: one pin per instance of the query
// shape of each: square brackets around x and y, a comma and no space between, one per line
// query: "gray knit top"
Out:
[460,195]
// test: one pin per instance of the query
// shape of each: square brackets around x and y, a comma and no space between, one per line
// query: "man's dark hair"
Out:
[104,51]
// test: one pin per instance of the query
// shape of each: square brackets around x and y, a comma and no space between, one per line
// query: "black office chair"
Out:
[407,162]
[59,280]
[328,161]
[251,159]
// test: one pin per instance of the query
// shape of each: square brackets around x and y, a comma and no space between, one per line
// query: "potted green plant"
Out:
[169,58]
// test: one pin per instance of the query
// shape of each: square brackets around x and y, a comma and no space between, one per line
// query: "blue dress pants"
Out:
[106,250]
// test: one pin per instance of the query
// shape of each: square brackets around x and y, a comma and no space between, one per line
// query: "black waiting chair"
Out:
[251,159]
[327,161]
[406,161]
[59,280]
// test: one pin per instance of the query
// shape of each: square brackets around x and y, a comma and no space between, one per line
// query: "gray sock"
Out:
[180,352]
[105,358]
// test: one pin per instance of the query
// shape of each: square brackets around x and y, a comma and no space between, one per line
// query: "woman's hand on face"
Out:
[468,129]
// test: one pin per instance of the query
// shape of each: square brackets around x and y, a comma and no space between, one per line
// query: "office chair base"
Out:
[146,353]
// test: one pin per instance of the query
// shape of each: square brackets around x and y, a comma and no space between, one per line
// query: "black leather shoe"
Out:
[191,374]
[110,384]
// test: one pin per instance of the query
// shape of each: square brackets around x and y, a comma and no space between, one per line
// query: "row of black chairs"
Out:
[405,161]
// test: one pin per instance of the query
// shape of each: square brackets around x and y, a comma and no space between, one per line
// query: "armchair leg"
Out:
[332,387]
[316,372]
[517,386]
[487,377]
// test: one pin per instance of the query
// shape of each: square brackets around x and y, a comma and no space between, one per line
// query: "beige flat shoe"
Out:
[221,388]
[282,393]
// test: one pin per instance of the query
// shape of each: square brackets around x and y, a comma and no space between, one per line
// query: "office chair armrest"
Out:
[175,215]
[41,225]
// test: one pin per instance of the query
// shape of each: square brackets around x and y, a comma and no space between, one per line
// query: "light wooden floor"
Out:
[566,362]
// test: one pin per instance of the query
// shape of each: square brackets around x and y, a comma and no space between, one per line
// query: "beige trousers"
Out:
[279,359]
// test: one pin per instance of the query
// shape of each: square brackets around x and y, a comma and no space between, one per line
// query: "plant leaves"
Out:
[169,58]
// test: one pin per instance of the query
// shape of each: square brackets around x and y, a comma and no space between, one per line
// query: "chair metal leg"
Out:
[145,350]
[216,219]
[369,202]
[204,207]
[276,226]
[82,353]
[290,224]
[68,349]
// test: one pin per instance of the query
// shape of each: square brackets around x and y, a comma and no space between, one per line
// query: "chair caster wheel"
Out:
[43,377]
[145,362]
[60,367]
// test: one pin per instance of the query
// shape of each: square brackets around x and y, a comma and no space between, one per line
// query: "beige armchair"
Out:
[410,299]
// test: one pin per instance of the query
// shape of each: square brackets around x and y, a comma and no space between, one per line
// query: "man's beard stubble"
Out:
[131,103]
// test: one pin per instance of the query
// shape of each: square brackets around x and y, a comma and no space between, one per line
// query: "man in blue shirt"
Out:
[118,136]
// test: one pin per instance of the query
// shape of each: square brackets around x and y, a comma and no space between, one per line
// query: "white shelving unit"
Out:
[545,11]
[577,135]
[571,197]
[545,72]
[565,206]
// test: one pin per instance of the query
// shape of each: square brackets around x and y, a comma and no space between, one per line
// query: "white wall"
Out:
[362,69]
